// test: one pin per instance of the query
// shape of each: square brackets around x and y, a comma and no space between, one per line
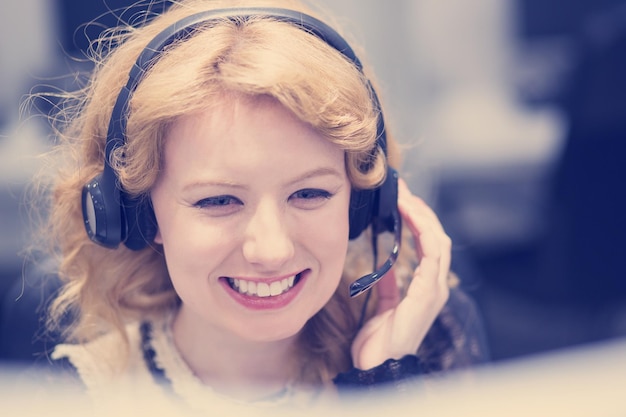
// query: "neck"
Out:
[231,364]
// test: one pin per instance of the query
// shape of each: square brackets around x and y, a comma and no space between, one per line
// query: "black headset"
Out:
[112,216]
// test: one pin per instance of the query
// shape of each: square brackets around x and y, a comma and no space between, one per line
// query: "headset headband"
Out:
[187,26]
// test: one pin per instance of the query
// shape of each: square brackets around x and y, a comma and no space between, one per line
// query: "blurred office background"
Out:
[513,116]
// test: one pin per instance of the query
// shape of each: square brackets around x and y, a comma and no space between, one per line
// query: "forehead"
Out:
[243,134]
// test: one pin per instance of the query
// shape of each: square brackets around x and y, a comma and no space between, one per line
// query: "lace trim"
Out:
[187,388]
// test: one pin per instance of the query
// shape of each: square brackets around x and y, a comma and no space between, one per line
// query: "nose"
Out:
[268,243]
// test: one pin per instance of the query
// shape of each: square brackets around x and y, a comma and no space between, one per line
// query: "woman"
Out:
[238,154]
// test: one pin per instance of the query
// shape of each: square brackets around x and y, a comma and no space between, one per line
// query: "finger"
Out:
[423,227]
[388,293]
[429,275]
[420,217]
[432,243]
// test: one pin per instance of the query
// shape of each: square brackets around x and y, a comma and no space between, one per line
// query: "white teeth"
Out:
[262,289]
[275,288]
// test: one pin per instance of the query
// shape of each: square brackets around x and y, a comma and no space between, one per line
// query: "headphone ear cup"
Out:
[386,203]
[361,211]
[141,225]
[378,207]
[102,216]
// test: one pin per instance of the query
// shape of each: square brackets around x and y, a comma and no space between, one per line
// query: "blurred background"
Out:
[513,116]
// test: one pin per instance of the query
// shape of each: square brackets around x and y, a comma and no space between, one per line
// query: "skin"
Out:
[250,192]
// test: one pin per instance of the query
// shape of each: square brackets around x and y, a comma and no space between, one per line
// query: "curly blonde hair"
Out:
[103,288]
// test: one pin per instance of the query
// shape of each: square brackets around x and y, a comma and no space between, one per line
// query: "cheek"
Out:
[194,241]
[192,257]
[189,244]
[329,237]
[333,247]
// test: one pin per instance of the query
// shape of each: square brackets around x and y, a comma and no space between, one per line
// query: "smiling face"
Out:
[252,208]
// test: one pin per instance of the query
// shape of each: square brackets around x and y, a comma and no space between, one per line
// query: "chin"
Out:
[271,331]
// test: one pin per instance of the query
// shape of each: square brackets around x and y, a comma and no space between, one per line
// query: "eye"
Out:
[221,204]
[309,198]
[311,194]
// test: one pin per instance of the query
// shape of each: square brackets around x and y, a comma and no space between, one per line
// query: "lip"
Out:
[267,303]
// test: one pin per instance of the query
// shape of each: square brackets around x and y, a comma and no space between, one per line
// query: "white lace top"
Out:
[110,384]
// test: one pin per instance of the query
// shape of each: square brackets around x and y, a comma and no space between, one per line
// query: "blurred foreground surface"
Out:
[575,382]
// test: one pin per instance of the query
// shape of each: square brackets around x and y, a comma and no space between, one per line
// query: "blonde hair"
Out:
[104,289]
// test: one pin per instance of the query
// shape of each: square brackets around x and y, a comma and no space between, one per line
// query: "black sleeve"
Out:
[398,374]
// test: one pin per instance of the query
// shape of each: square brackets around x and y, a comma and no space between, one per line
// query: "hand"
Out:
[399,326]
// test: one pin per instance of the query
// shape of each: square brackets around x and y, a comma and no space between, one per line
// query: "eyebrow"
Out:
[317,172]
[218,183]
